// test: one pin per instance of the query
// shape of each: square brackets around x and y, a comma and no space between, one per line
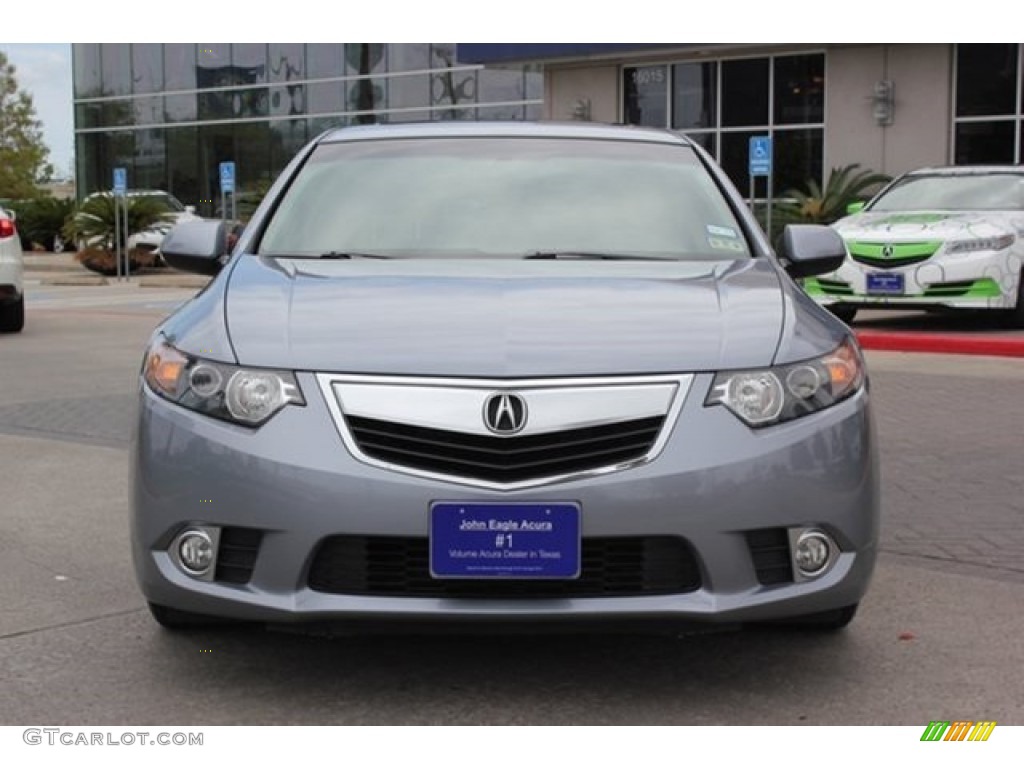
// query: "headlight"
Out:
[786,392]
[246,396]
[980,244]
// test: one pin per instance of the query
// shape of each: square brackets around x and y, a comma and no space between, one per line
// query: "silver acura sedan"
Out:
[480,375]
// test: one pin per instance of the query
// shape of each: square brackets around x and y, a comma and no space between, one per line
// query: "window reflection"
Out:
[646,96]
[147,68]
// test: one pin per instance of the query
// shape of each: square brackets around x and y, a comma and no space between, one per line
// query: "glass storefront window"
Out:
[745,92]
[180,66]
[249,63]
[253,104]
[989,111]
[116,67]
[986,79]
[984,142]
[325,60]
[86,58]
[799,89]
[646,95]
[797,158]
[286,61]
[147,68]
[694,95]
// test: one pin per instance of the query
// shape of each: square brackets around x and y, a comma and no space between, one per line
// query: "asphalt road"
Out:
[937,637]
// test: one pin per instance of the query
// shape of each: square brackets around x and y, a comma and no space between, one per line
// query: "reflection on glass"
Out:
[183,172]
[984,143]
[800,89]
[986,79]
[249,63]
[325,60]
[408,91]
[288,100]
[365,96]
[325,97]
[646,96]
[150,160]
[147,110]
[86,57]
[180,108]
[745,92]
[693,95]
[180,66]
[147,68]
[117,69]
[403,57]
[286,61]
[365,58]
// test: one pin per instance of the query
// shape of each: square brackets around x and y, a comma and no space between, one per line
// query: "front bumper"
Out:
[294,482]
[982,280]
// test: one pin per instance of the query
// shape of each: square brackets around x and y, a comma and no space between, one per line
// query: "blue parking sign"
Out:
[227,177]
[760,155]
[120,182]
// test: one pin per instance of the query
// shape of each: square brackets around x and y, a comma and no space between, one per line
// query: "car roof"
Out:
[967,170]
[465,129]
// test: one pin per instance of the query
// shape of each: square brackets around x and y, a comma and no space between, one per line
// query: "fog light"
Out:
[195,551]
[812,553]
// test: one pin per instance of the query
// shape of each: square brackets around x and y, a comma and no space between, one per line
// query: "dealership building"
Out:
[171,112]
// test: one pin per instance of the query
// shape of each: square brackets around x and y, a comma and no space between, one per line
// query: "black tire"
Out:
[827,621]
[844,312]
[1014,318]
[173,619]
[12,316]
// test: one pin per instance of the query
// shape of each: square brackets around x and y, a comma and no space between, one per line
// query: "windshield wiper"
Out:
[353,255]
[590,256]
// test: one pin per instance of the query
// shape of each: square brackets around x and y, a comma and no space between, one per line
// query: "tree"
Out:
[23,155]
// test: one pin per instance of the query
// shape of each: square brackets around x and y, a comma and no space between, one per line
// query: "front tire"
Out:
[12,316]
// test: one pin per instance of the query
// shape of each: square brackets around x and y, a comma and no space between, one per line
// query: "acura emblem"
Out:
[505,413]
[887,250]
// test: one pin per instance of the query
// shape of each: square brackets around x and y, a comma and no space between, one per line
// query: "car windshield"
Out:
[504,198]
[961,192]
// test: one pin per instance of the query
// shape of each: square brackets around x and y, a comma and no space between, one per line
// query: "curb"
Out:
[73,279]
[943,344]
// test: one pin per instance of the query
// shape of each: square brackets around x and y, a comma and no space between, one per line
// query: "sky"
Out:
[44,71]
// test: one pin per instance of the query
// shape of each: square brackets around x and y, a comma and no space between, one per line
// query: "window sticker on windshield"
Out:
[721,244]
[716,231]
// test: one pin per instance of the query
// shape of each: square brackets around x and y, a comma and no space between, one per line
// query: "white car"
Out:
[12,296]
[937,237]
[151,239]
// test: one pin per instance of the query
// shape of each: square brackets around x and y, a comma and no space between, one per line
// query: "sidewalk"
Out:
[62,269]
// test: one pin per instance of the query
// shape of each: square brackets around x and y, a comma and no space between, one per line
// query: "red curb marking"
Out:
[954,344]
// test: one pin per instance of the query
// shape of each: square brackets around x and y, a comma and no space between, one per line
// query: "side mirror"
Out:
[811,249]
[190,209]
[196,246]
[855,207]
[10,213]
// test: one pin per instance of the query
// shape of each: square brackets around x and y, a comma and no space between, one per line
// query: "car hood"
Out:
[502,318]
[916,226]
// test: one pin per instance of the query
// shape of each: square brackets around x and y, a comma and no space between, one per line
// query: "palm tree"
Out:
[93,228]
[815,205]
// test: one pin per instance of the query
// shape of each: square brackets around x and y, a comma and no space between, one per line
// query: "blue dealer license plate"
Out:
[885,284]
[503,541]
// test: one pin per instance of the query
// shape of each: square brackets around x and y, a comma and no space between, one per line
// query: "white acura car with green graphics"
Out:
[934,238]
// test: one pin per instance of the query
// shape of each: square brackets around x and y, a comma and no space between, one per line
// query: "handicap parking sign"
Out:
[227,177]
[120,182]
[760,155]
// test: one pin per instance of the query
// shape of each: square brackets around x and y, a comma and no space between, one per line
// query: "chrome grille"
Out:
[437,428]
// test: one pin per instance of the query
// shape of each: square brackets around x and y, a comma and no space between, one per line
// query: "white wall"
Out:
[920,132]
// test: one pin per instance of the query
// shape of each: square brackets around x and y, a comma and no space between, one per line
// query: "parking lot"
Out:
[937,636]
